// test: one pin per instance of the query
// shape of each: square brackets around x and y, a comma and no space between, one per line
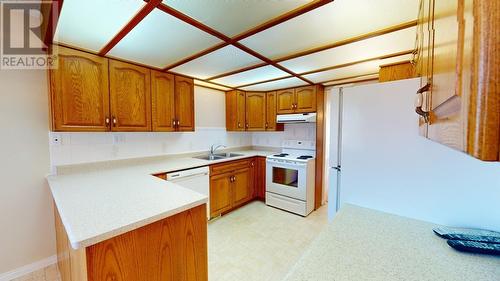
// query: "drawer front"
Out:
[229,166]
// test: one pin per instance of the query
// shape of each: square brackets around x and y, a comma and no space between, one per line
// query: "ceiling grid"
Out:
[234,57]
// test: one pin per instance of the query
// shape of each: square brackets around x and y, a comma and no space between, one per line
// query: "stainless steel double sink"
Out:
[218,156]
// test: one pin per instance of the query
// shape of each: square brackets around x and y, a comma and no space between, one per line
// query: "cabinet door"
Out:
[260,177]
[271,111]
[305,99]
[235,110]
[285,101]
[256,111]
[80,92]
[447,124]
[242,186]
[220,194]
[162,101]
[130,94]
[184,103]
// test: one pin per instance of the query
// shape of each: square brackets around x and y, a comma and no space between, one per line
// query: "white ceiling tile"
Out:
[251,76]
[91,24]
[333,22]
[233,17]
[353,70]
[278,84]
[394,42]
[207,84]
[220,61]
[160,39]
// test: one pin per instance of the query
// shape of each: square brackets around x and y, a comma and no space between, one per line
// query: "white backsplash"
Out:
[302,131]
[76,148]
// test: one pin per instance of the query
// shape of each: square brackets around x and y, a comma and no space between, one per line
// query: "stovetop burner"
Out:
[281,155]
[304,157]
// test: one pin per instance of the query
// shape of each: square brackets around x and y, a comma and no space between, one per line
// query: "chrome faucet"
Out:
[213,148]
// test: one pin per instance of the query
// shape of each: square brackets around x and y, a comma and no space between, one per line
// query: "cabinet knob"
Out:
[115,121]
[239,124]
[106,120]
[267,125]
[178,123]
[173,122]
[246,125]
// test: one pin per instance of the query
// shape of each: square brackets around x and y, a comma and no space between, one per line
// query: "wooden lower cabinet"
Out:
[260,178]
[220,194]
[233,184]
[171,249]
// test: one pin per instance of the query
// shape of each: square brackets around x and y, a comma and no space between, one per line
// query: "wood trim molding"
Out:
[483,131]
[320,145]
[148,8]
[347,78]
[374,79]
[51,12]
[365,36]
[397,54]
[273,22]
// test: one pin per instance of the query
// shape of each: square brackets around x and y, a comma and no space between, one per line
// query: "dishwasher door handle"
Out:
[178,176]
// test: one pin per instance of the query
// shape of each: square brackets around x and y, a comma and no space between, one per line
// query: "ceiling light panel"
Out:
[353,70]
[233,17]
[278,84]
[220,61]
[91,24]
[251,76]
[160,39]
[330,23]
[391,43]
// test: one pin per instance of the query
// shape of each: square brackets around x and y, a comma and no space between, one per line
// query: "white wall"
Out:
[210,120]
[26,218]
[387,166]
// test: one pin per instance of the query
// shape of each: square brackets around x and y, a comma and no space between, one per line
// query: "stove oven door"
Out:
[286,178]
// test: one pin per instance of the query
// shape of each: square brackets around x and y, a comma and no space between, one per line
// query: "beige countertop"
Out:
[363,244]
[101,200]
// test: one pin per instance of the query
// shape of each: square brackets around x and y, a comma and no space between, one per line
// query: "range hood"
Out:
[296,118]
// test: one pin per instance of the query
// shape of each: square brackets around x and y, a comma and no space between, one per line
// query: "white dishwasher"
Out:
[197,179]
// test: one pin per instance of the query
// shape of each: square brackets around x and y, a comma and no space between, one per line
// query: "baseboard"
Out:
[23,270]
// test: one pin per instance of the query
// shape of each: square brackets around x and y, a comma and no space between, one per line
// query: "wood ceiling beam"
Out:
[365,36]
[397,54]
[50,11]
[265,81]
[323,48]
[148,8]
[189,20]
[281,19]
[229,41]
[349,77]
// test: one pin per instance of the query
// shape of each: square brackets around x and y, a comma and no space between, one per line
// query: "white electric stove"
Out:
[290,177]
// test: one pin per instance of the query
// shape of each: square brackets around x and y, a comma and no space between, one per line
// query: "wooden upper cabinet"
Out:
[130,97]
[271,111]
[79,92]
[305,99]
[285,101]
[255,111]
[235,111]
[162,101]
[457,60]
[396,71]
[184,103]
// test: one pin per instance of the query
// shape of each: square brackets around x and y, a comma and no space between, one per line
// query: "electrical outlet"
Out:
[55,139]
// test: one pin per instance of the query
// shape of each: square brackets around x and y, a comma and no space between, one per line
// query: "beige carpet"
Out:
[260,243]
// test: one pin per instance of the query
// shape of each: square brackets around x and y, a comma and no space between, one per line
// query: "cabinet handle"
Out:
[252,164]
[115,121]
[106,120]
[239,124]
[420,101]
[173,122]
[234,178]
[246,125]
[267,125]
[178,123]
